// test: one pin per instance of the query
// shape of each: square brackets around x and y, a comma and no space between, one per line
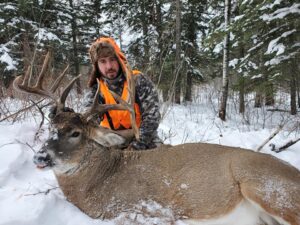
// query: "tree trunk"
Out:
[298,88]
[292,72]
[1,90]
[178,53]
[188,90]
[241,94]
[258,99]
[293,91]
[75,47]
[222,110]
[241,81]
[269,92]
[97,5]
[159,27]
[160,55]
[119,25]
[145,25]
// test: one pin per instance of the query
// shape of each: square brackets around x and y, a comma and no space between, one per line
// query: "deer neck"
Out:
[99,169]
[107,137]
[96,163]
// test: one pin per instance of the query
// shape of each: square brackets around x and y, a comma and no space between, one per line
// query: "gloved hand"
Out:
[53,109]
[139,145]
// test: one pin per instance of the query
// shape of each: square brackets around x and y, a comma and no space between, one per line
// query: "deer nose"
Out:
[42,159]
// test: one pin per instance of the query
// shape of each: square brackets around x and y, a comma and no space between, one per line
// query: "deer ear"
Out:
[106,138]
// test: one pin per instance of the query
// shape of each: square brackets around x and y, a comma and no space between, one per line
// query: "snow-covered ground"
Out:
[30,196]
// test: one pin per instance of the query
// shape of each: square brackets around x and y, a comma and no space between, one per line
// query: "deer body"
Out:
[198,181]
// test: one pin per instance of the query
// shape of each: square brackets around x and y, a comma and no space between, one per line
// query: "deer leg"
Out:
[282,208]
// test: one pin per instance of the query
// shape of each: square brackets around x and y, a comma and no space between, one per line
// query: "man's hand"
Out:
[138,145]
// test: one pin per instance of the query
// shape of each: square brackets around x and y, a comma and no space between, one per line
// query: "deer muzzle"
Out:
[42,159]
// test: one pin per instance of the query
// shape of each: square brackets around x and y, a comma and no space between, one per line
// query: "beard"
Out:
[112,74]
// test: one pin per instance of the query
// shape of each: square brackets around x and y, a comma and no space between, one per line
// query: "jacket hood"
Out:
[95,51]
[109,44]
[111,47]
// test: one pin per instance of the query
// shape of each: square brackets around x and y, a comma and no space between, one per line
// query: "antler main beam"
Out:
[22,83]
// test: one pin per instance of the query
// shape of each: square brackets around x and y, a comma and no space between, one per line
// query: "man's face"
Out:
[109,67]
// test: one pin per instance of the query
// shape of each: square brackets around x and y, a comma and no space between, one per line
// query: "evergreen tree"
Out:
[27,26]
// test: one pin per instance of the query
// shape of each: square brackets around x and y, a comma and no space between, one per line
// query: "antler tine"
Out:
[39,83]
[63,97]
[37,88]
[23,83]
[102,108]
[58,80]
[131,90]
[122,104]
[27,77]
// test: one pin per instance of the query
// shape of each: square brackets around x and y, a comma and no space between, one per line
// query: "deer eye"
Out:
[75,134]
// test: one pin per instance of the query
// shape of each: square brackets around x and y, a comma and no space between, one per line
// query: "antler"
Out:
[23,84]
[131,91]
[97,108]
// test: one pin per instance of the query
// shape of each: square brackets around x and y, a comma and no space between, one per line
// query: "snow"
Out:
[238,18]
[270,6]
[9,7]
[279,48]
[43,34]
[279,59]
[30,196]
[218,48]
[233,63]
[281,13]
[11,64]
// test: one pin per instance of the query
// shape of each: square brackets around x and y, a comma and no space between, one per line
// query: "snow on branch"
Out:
[281,13]
[43,34]
[274,46]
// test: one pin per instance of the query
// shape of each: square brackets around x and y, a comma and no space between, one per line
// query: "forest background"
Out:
[179,44]
[197,52]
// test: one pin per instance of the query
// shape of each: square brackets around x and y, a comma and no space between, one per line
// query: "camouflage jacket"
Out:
[146,97]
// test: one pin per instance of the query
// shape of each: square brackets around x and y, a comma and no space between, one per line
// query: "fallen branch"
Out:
[278,110]
[11,143]
[24,109]
[270,138]
[284,147]
[42,192]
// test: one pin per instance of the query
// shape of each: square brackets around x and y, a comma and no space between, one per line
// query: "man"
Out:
[109,65]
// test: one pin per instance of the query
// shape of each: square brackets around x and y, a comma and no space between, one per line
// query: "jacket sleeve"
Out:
[147,99]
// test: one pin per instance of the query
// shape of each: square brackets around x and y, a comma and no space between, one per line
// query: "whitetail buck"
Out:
[200,183]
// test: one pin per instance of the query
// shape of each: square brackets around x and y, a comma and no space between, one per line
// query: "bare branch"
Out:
[25,109]
[284,147]
[270,138]
[42,192]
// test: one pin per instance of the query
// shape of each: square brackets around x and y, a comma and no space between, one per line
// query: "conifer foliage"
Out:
[177,43]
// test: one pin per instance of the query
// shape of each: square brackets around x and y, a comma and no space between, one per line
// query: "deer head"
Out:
[70,130]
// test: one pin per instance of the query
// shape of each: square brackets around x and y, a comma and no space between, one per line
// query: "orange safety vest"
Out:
[119,118]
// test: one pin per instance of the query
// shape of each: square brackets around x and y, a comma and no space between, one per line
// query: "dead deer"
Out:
[201,183]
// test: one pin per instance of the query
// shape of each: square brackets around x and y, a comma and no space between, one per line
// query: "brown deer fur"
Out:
[198,181]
